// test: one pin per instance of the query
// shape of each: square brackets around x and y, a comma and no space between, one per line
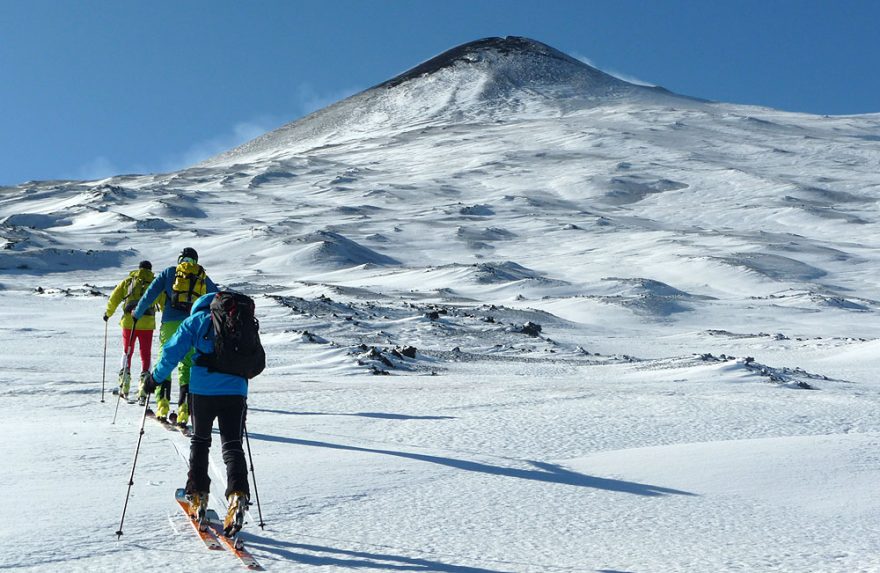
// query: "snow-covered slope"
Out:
[494,79]
[601,305]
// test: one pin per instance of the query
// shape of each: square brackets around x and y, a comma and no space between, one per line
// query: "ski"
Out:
[208,536]
[213,536]
[172,421]
[165,424]
[234,544]
[123,397]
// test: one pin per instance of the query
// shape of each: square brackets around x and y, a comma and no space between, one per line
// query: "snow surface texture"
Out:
[624,330]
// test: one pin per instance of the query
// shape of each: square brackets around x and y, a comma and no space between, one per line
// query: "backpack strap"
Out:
[130,289]
[134,280]
[202,358]
[193,281]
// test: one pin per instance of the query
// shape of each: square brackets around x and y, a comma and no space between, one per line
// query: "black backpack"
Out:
[237,347]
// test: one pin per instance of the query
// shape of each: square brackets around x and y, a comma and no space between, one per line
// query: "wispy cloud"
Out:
[102,167]
[308,99]
[98,168]
[238,134]
[616,74]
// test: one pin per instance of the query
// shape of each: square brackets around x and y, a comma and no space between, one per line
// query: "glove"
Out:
[106,318]
[149,383]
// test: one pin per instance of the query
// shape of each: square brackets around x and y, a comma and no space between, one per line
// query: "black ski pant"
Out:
[164,389]
[230,413]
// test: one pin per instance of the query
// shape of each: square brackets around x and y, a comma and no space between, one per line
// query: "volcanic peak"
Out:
[492,48]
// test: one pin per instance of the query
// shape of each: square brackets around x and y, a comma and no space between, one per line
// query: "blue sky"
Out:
[93,88]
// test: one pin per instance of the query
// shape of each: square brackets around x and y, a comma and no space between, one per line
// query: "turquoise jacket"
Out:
[197,332]
[163,283]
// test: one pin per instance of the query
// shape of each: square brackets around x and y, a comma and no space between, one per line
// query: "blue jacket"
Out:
[163,283]
[197,332]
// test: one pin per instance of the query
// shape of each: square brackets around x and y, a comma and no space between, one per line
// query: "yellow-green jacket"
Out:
[123,294]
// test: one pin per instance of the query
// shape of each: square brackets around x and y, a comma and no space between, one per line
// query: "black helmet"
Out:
[145,265]
[188,253]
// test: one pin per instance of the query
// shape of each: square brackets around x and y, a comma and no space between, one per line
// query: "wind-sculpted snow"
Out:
[53,260]
[597,309]
[507,271]
[333,249]
[270,177]
[776,267]
[36,220]
[632,189]
[649,297]
[725,205]
[495,79]
[153,224]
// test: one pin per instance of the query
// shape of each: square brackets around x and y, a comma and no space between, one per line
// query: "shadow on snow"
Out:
[545,472]
[354,559]
[379,415]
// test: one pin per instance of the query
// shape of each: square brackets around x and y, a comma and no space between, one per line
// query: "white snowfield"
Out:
[520,316]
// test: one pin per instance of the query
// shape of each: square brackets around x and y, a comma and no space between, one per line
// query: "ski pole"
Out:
[104,369]
[133,465]
[247,441]
[127,361]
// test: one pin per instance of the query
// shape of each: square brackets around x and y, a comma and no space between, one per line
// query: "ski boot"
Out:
[124,383]
[162,410]
[163,404]
[198,504]
[238,504]
[182,417]
[142,396]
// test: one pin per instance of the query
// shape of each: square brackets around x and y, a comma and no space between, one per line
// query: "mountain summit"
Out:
[488,80]
[515,62]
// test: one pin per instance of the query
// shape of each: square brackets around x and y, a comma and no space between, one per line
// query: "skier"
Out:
[181,285]
[127,293]
[213,395]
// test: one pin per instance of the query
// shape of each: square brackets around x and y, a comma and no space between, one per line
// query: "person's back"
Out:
[179,292]
[127,293]
[197,333]
[182,284]
[212,395]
